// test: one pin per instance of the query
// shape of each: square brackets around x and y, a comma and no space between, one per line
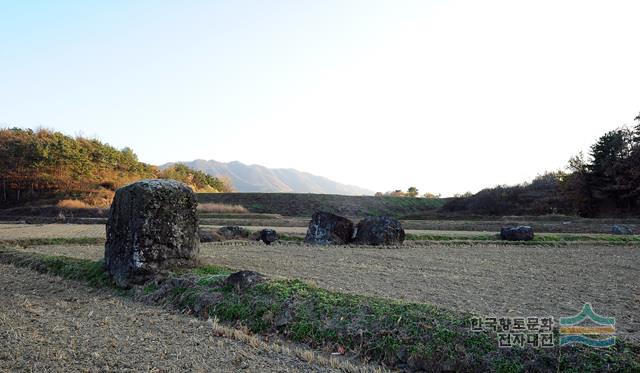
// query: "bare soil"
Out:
[481,278]
[49,324]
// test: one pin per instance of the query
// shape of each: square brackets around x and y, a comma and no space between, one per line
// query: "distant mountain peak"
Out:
[258,178]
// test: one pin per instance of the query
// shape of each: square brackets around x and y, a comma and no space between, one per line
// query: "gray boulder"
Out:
[152,226]
[326,228]
[209,236]
[268,236]
[233,232]
[379,230]
[520,233]
[244,279]
[621,229]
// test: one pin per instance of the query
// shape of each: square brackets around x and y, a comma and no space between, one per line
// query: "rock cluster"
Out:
[327,228]
[233,232]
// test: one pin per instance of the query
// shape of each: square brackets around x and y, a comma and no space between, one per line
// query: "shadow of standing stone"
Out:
[152,227]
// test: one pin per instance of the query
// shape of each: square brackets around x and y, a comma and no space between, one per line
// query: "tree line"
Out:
[605,182]
[47,165]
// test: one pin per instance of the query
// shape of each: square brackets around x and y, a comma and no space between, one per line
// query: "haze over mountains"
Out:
[257,178]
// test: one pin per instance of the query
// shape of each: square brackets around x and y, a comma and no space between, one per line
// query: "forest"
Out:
[604,183]
[45,166]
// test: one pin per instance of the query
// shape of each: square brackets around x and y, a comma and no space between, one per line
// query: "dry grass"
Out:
[48,324]
[31,231]
[72,204]
[310,356]
[221,208]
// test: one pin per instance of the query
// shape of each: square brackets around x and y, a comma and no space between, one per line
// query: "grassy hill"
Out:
[45,166]
[297,204]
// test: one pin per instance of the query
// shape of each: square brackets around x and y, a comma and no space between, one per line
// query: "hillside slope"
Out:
[45,166]
[256,178]
[298,204]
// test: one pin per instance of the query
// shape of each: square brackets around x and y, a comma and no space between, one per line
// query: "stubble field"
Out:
[484,278]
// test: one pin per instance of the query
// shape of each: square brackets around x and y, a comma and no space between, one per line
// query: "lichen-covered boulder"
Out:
[326,228]
[379,230]
[268,236]
[152,226]
[244,279]
[621,229]
[234,232]
[521,233]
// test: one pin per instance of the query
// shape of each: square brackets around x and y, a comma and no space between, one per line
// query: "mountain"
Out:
[256,178]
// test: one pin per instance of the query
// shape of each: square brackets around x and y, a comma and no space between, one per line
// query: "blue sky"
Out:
[448,96]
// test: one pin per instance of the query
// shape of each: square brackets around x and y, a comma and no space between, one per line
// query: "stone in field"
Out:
[233,232]
[244,279]
[621,229]
[326,228]
[379,230]
[152,226]
[521,233]
[209,236]
[268,236]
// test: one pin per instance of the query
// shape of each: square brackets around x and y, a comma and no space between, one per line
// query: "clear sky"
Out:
[447,96]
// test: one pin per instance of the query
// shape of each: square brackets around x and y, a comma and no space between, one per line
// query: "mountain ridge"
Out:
[258,178]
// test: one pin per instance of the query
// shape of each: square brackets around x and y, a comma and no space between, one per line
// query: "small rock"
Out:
[268,236]
[621,229]
[326,228]
[244,279]
[286,315]
[379,230]
[209,236]
[520,233]
[233,232]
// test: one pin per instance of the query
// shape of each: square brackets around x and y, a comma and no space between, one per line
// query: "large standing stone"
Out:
[379,230]
[152,226]
[326,228]
[521,233]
